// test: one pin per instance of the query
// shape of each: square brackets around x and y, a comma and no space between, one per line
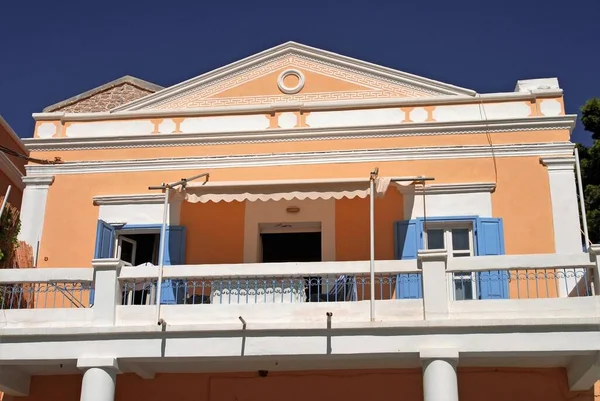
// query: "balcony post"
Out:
[595,254]
[107,292]
[435,290]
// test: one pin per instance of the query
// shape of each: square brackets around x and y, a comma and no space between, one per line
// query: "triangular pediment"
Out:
[293,73]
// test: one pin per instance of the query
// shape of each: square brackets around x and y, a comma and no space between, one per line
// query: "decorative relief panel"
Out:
[376,87]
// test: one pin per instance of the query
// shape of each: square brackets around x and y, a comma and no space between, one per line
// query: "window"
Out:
[457,239]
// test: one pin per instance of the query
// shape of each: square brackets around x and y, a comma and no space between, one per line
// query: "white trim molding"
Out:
[291,90]
[566,122]
[559,163]
[38,181]
[299,158]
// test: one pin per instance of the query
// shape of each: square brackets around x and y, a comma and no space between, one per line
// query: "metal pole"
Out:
[372,239]
[581,199]
[161,253]
[5,200]
[163,233]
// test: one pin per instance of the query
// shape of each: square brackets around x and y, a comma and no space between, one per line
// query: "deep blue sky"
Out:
[53,50]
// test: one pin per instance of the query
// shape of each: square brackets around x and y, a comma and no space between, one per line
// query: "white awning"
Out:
[240,191]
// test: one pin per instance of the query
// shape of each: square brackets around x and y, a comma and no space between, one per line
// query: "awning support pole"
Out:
[163,233]
[372,237]
[5,200]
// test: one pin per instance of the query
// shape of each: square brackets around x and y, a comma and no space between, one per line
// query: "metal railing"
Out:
[44,295]
[264,289]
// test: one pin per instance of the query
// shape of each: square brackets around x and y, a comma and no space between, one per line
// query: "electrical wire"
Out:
[484,117]
[4,149]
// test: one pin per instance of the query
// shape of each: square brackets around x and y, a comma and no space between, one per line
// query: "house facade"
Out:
[331,227]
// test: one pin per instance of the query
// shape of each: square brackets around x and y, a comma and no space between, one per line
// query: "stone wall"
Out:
[106,100]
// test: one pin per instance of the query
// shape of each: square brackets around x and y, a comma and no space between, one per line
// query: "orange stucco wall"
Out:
[522,199]
[474,384]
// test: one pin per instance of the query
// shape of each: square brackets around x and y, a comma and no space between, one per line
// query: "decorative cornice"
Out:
[299,158]
[459,188]
[303,106]
[38,181]
[304,134]
[559,163]
[128,199]
[12,172]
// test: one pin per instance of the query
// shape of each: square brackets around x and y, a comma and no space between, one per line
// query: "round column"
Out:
[440,382]
[99,384]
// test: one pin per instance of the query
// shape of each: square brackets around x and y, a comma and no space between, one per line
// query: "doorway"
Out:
[136,249]
[281,247]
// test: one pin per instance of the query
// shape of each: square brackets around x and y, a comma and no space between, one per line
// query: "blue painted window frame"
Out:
[169,291]
[490,285]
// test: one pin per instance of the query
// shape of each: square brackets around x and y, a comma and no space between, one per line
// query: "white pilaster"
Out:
[99,378]
[440,381]
[107,292]
[33,210]
[435,290]
[595,252]
[565,215]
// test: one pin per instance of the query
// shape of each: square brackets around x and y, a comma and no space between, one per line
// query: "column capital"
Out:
[431,255]
[107,264]
[102,363]
[38,181]
[595,249]
[445,354]
[559,163]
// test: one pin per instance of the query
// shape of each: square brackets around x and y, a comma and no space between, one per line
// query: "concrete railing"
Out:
[115,288]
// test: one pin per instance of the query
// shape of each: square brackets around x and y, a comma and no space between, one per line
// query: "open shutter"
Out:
[490,241]
[105,245]
[173,291]
[408,238]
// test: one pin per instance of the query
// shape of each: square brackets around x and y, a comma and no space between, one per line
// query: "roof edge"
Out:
[127,79]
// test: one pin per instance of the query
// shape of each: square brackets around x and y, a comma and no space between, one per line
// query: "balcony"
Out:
[306,295]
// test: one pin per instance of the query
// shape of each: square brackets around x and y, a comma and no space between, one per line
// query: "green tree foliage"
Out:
[590,167]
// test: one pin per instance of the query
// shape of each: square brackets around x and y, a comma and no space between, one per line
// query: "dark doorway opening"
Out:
[137,249]
[294,247]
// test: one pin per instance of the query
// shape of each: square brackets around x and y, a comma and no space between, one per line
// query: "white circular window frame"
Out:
[287,89]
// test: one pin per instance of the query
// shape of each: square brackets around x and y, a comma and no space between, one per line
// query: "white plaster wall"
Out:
[318,119]
[287,120]
[33,211]
[312,211]
[167,126]
[492,111]
[550,107]
[438,205]
[46,130]
[109,128]
[151,213]
[565,217]
[46,317]
[224,123]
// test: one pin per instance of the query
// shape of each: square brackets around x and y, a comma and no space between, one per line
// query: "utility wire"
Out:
[4,149]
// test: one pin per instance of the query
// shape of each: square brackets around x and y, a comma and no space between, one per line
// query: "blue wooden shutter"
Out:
[173,291]
[408,238]
[105,245]
[490,241]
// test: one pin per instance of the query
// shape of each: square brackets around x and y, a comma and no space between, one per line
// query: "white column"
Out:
[33,210]
[595,252]
[565,215]
[107,294]
[99,378]
[440,381]
[435,289]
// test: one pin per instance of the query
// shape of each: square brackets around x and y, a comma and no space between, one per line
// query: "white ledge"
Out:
[525,262]
[128,199]
[40,275]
